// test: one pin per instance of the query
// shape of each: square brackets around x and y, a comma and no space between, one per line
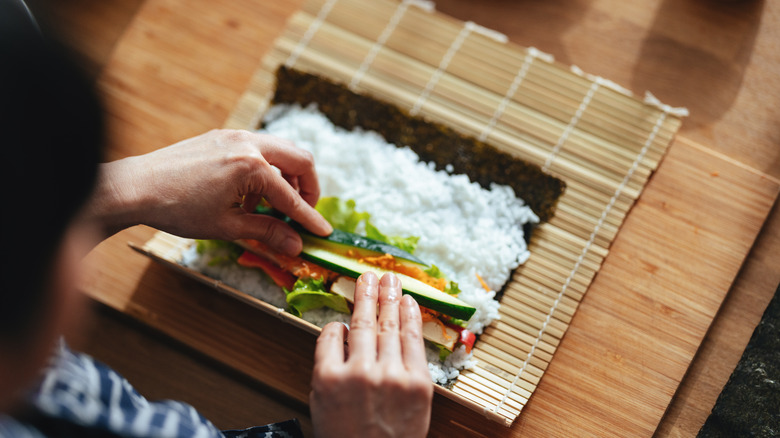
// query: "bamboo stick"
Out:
[603,142]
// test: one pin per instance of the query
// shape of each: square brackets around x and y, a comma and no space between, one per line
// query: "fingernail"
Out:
[390,280]
[392,285]
[369,278]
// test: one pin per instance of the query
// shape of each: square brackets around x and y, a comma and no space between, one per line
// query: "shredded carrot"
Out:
[303,269]
[387,261]
[482,282]
[295,265]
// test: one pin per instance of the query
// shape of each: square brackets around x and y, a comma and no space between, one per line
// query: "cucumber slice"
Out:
[425,295]
[431,330]
[342,241]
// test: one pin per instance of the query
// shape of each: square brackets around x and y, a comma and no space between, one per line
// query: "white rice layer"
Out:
[464,229]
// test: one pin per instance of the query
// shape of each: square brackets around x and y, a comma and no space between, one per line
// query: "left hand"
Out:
[207,187]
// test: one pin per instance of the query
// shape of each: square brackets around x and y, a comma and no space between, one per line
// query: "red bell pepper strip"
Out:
[467,338]
[277,274]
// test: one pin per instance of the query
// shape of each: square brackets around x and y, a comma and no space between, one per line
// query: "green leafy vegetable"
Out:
[408,244]
[343,216]
[444,353]
[223,252]
[308,294]
[434,272]
[452,288]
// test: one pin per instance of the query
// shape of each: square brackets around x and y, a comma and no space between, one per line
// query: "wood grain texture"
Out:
[91,28]
[737,119]
[603,143]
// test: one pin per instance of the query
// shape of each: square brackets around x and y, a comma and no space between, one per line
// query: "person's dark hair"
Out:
[51,134]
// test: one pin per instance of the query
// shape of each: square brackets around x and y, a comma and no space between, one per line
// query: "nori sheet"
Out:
[433,142]
[749,404]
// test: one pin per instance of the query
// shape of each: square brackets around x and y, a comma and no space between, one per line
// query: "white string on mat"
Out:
[594,86]
[445,61]
[585,249]
[519,77]
[652,100]
[400,10]
[309,34]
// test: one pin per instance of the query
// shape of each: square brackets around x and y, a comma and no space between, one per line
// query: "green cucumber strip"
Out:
[342,241]
[425,295]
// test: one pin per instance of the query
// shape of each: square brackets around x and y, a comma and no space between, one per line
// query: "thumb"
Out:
[271,231]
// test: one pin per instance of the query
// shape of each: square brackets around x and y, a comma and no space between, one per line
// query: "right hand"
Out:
[380,386]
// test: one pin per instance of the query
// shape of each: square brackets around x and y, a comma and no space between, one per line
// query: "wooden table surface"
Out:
[720,59]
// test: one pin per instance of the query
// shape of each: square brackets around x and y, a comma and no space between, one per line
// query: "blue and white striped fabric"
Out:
[79,396]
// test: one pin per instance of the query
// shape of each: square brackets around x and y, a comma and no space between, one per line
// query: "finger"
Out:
[251,201]
[388,325]
[292,180]
[285,199]
[362,328]
[412,344]
[330,344]
[294,162]
[269,230]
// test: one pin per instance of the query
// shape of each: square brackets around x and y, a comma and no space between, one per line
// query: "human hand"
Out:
[208,186]
[381,386]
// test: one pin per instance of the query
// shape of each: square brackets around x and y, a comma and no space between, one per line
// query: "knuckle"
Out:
[324,378]
[360,322]
[236,135]
[411,334]
[296,203]
[367,293]
[363,370]
[324,337]
[306,156]
[388,326]
[269,233]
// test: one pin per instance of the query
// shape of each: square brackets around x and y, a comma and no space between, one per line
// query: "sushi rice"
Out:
[464,229]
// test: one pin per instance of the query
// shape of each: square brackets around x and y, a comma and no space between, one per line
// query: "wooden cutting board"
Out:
[627,347]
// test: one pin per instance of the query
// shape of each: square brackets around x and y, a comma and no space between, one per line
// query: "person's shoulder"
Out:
[284,429]
[11,428]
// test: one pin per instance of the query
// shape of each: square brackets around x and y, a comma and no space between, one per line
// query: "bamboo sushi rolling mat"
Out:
[603,143]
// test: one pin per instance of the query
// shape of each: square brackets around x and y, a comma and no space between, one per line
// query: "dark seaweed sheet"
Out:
[749,404]
[433,142]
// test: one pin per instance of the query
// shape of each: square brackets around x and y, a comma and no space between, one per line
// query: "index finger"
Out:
[294,162]
[296,165]
[285,199]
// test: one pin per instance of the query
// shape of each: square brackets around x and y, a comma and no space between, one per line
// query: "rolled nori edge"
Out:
[433,142]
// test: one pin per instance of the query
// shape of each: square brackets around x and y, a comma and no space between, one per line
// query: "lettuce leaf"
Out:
[408,244]
[309,294]
[224,252]
[343,216]
[452,287]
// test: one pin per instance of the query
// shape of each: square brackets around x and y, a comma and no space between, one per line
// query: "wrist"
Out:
[118,200]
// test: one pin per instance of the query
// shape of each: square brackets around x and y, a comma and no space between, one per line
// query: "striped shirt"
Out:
[79,396]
